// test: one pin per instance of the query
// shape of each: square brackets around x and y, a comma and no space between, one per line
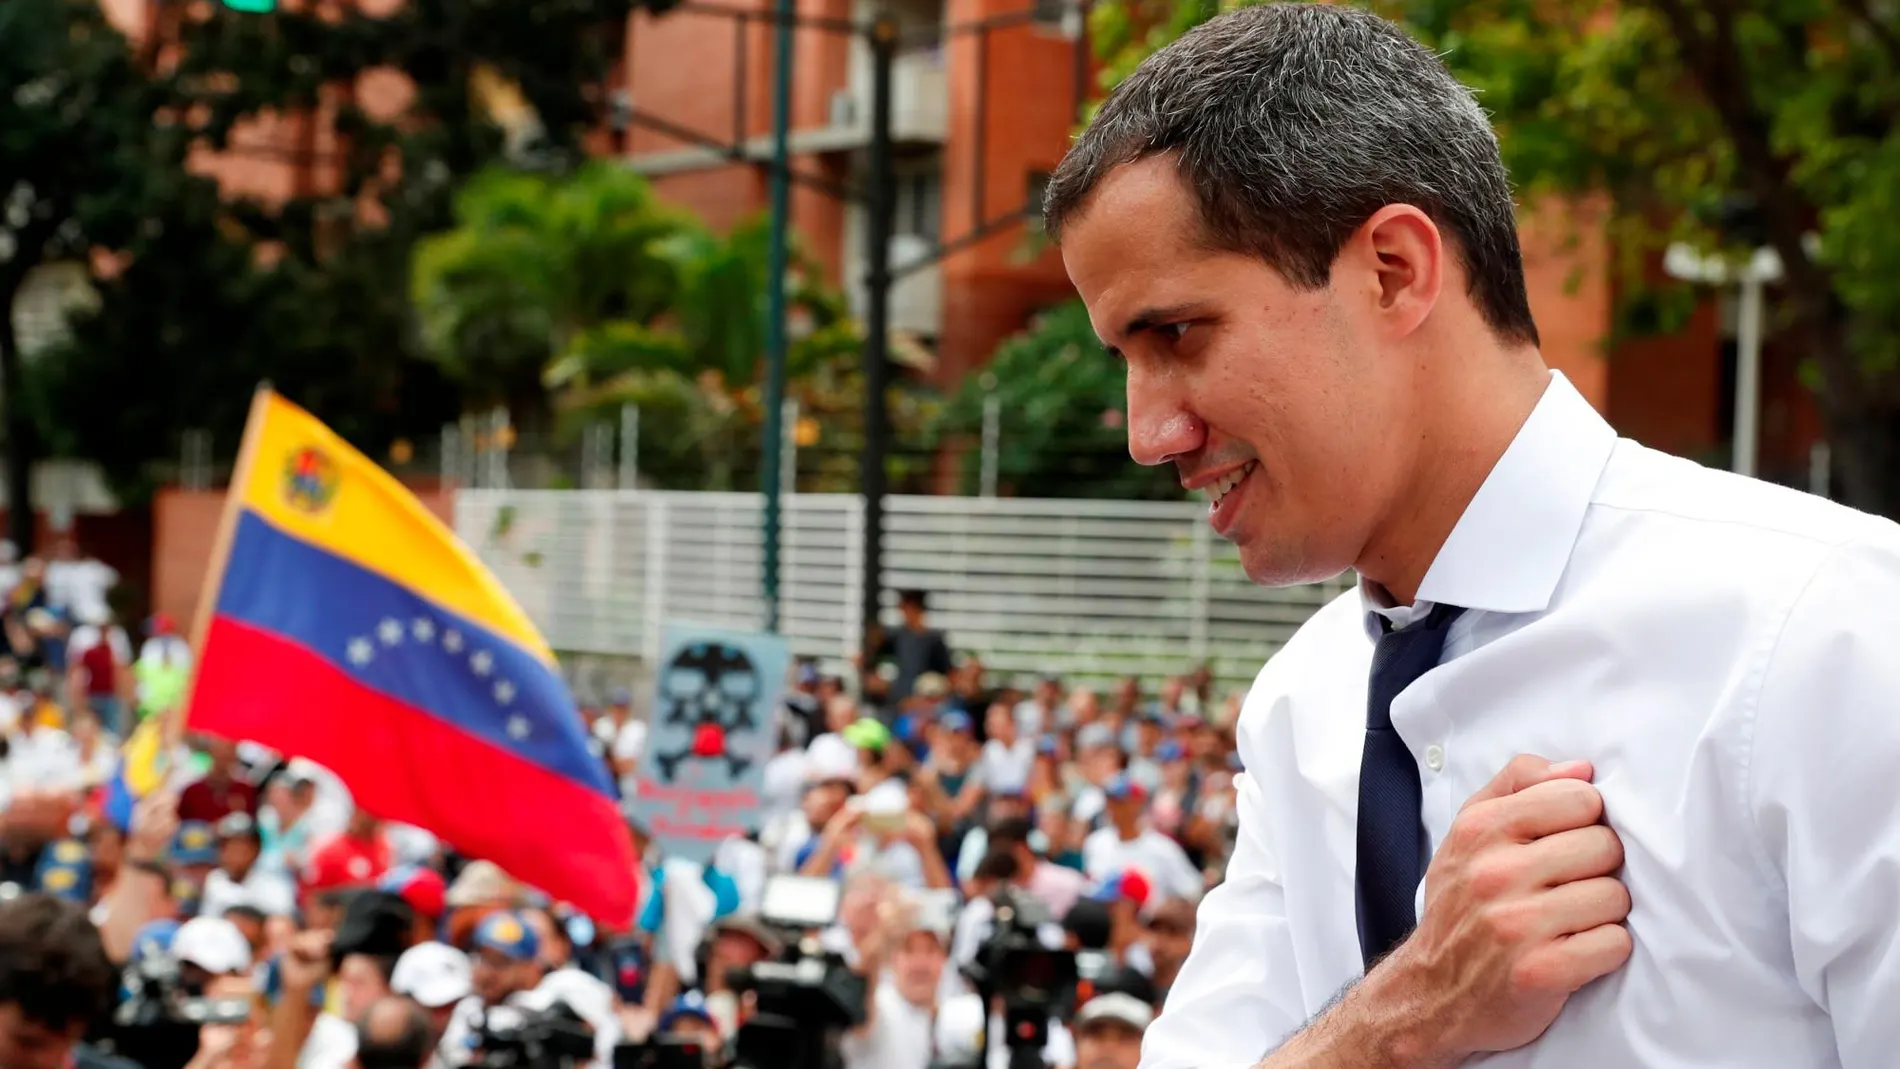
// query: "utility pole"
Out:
[877,196]
[775,334]
[877,285]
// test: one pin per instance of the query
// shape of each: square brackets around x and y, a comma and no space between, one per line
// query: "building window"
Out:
[918,204]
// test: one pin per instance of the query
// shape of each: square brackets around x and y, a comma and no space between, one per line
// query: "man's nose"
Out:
[1160,427]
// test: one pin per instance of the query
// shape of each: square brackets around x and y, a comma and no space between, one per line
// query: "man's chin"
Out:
[1270,562]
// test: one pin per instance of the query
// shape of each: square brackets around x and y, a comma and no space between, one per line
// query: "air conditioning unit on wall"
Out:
[843,110]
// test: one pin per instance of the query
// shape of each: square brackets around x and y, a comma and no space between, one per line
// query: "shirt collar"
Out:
[1509,549]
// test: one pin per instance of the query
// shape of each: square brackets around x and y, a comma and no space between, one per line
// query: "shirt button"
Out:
[1434,757]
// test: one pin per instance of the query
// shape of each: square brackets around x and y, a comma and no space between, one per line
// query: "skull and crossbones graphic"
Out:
[708,688]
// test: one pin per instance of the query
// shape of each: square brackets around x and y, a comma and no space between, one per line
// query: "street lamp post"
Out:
[1750,278]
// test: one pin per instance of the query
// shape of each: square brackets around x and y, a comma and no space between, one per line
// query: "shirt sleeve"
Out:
[1826,743]
[1235,999]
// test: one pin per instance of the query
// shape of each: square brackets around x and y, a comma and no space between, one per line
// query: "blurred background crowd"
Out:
[249,915]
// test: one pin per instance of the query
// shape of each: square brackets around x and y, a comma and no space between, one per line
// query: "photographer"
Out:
[903,962]
[55,983]
[505,965]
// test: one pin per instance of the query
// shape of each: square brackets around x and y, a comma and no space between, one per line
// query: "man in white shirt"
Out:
[1128,843]
[79,584]
[1295,227]
[904,966]
[1007,757]
[239,880]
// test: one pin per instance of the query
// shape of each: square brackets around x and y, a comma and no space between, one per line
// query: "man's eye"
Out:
[1176,331]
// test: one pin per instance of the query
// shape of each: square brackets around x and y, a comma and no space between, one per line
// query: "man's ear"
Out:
[1395,261]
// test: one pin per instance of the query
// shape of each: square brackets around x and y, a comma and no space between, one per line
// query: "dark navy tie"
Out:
[1391,831]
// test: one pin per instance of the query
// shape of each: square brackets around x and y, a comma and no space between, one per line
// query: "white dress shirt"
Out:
[1720,648]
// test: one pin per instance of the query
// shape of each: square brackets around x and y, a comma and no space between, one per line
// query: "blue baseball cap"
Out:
[690,1004]
[958,721]
[1125,789]
[65,871]
[1049,745]
[1170,751]
[507,934]
[195,844]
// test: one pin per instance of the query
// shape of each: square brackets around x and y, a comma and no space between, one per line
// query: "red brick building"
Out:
[981,118]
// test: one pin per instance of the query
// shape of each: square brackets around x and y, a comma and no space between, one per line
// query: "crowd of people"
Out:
[249,916]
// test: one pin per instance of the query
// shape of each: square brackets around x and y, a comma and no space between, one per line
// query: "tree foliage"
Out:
[1061,416]
[83,166]
[580,293]
[1728,125]
[211,295]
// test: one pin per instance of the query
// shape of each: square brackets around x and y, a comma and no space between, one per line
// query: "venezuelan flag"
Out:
[348,625]
[141,770]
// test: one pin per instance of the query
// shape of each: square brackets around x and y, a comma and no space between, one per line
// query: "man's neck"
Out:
[1469,423]
[1129,833]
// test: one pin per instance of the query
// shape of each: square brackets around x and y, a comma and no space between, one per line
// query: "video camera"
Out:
[807,999]
[157,1021]
[1034,980]
[513,1038]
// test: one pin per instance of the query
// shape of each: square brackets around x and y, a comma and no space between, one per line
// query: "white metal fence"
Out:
[1091,589]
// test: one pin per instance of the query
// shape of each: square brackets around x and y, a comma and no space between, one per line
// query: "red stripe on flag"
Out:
[404,765]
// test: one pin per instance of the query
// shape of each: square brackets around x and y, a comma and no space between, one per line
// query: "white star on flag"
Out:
[423,629]
[518,727]
[452,640]
[504,692]
[482,662]
[361,651]
[390,631]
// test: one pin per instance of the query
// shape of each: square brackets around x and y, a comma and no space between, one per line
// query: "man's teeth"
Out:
[1217,490]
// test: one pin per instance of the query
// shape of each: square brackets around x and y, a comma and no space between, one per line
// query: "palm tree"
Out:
[535,265]
[577,295]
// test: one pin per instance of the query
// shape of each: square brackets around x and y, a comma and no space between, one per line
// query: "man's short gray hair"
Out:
[1293,124]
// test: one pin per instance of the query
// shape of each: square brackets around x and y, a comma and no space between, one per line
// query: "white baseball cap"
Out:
[828,758]
[1115,1006]
[212,944]
[434,974]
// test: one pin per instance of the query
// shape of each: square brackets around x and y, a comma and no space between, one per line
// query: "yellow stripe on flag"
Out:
[313,486]
[143,754]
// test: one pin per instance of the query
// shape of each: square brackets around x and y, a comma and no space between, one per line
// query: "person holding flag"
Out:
[344,623]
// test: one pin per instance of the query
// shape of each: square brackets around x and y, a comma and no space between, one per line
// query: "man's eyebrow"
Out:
[1147,319]
[1151,317]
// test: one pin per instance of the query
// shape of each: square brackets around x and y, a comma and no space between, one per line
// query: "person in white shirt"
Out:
[904,964]
[239,879]
[79,584]
[1580,683]
[1127,843]
[1003,767]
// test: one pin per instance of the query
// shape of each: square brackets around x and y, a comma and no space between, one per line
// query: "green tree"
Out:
[83,166]
[1062,416]
[546,277]
[581,293]
[310,293]
[1678,112]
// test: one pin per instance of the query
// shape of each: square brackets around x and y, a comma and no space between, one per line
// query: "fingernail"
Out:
[1569,768]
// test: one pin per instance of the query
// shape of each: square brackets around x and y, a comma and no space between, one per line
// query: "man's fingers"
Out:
[1575,960]
[1576,854]
[1528,770]
[1532,813]
[1585,905]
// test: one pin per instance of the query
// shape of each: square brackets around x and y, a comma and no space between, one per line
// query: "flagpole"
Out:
[220,558]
